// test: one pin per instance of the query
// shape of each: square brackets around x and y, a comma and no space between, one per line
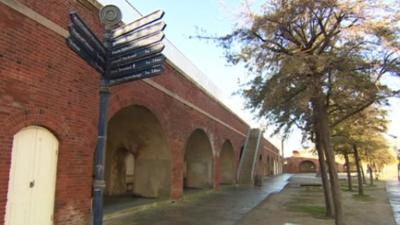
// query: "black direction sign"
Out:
[134,55]
[84,44]
[136,66]
[138,75]
[138,44]
[147,31]
[82,53]
[138,23]
[86,33]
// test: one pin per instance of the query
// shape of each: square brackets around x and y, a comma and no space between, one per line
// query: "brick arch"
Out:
[129,128]
[306,161]
[119,101]
[199,158]
[53,122]
[56,125]
[209,135]
[127,95]
[226,169]
[137,93]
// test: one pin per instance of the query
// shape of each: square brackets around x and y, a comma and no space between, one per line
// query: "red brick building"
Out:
[301,163]
[167,132]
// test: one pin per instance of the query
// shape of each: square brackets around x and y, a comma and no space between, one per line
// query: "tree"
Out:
[307,56]
[363,135]
[343,148]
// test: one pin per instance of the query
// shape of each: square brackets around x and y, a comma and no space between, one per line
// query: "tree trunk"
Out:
[349,181]
[376,172]
[325,181]
[359,178]
[371,175]
[321,123]
[362,173]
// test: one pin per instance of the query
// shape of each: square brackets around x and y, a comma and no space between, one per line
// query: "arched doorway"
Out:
[198,163]
[227,160]
[307,167]
[32,181]
[270,166]
[138,159]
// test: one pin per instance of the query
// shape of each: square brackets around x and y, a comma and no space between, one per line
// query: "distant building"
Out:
[304,162]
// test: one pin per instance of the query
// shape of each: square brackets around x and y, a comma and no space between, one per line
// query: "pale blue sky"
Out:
[184,18]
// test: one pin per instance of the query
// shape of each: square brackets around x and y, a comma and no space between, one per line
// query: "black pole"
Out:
[99,183]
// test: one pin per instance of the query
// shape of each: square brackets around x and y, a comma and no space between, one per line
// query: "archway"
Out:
[32,182]
[227,160]
[307,167]
[270,166]
[198,163]
[138,160]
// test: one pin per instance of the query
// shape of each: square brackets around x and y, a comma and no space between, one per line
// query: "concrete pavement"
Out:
[393,191]
[225,207]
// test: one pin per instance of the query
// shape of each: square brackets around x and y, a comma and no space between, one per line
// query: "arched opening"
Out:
[32,182]
[227,160]
[265,166]
[198,163]
[307,167]
[260,167]
[269,166]
[138,161]
[130,171]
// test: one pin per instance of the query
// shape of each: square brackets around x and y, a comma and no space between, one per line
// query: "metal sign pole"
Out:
[109,16]
[99,183]
[130,52]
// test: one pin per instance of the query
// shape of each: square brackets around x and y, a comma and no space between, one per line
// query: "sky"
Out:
[191,17]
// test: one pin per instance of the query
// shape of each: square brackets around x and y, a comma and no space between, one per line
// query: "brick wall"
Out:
[293,164]
[43,83]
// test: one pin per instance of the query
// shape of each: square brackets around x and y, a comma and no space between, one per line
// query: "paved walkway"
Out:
[393,190]
[225,207]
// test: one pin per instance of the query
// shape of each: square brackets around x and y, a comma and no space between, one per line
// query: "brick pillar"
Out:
[217,172]
[177,157]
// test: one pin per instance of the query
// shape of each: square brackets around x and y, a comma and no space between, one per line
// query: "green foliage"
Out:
[366,131]
[316,64]
[295,47]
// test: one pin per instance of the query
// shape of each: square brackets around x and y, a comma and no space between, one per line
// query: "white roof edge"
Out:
[191,72]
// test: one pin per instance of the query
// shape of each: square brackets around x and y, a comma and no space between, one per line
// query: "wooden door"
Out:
[32,179]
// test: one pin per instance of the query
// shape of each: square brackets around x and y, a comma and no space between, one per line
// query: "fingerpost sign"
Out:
[129,52]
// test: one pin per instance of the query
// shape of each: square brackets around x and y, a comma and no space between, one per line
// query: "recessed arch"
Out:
[307,166]
[138,159]
[227,162]
[198,161]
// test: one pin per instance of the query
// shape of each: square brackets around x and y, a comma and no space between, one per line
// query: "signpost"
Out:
[129,52]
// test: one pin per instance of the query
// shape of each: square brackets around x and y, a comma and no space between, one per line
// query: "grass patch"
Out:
[312,210]
[364,198]
[346,188]
[313,189]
